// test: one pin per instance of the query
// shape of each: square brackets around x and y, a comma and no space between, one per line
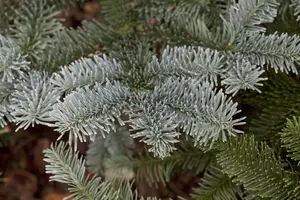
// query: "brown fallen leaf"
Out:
[19,184]
[6,129]
[91,9]
[55,196]
[38,155]
[153,21]
[172,7]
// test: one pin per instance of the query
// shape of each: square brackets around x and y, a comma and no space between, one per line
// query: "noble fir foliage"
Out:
[209,87]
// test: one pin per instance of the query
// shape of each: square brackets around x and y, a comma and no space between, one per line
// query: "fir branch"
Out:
[241,75]
[198,63]
[290,137]
[278,51]
[182,11]
[191,8]
[6,89]
[64,4]
[32,100]
[204,113]
[156,170]
[156,126]
[86,72]
[255,166]
[71,44]
[207,65]
[85,111]
[190,22]
[12,64]
[296,5]
[65,167]
[134,53]
[5,115]
[117,12]
[149,9]
[7,14]
[247,15]
[34,27]
[197,28]
[280,99]
[105,155]
[216,186]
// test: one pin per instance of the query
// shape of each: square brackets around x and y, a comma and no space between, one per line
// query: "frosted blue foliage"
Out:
[104,154]
[12,63]
[296,5]
[202,63]
[156,126]
[34,27]
[248,15]
[4,115]
[196,107]
[278,51]
[32,100]
[242,75]
[86,71]
[65,167]
[86,110]
[6,88]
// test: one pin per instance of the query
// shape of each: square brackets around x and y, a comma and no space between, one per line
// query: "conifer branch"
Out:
[248,15]
[63,4]
[118,15]
[65,167]
[278,51]
[5,115]
[296,5]
[7,14]
[85,111]
[290,137]
[106,155]
[241,75]
[6,89]
[255,166]
[12,64]
[279,100]
[203,112]
[34,27]
[156,170]
[71,44]
[32,100]
[86,72]
[216,185]
[199,63]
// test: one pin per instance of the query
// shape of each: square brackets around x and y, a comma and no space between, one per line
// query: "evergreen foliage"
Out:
[255,166]
[278,101]
[67,168]
[32,100]
[13,64]
[34,26]
[290,138]
[186,158]
[175,74]
[86,72]
[109,156]
[85,111]
[216,185]
[71,44]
